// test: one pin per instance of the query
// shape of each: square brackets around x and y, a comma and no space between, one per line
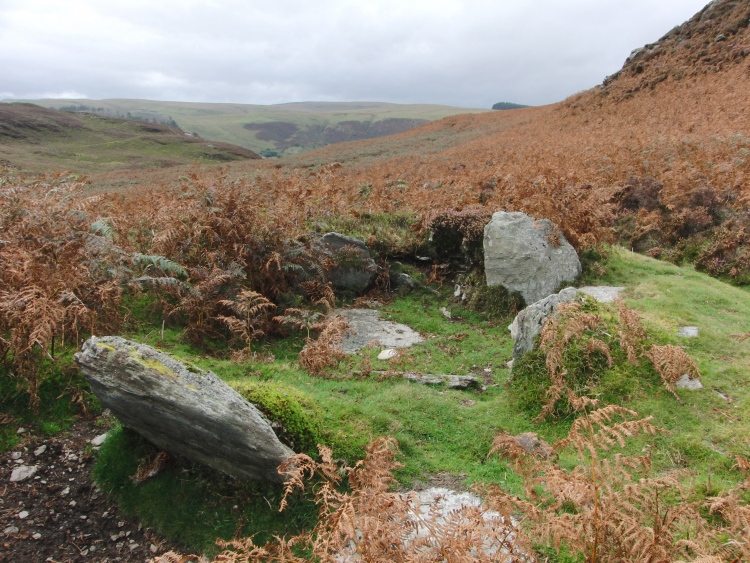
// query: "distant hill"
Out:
[39,139]
[508,105]
[272,130]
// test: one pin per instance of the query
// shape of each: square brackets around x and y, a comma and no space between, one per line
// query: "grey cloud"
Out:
[443,51]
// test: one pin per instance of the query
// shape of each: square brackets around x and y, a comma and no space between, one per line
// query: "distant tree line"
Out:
[508,105]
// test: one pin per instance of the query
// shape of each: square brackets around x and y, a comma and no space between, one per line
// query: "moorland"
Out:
[646,175]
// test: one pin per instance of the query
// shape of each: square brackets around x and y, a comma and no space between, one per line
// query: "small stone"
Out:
[153,548]
[99,440]
[387,354]
[686,382]
[37,536]
[16,455]
[72,503]
[133,546]
[40,450]
[10,530]
[73,457]
[22,473]
[446,313]
[21,430]
[458,291]
[65,492]
[23,515]
[688,331]
[18,461]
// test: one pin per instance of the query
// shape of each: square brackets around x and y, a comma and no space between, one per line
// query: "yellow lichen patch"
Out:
[154,365]
[106,346]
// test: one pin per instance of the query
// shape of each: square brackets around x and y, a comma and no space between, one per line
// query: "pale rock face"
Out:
[182,409]
[529,322]
[528,256]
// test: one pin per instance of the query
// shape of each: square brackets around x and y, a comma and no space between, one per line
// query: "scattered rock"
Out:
[602,293]
[37,536]
[689,383]
[21,430]
[387,354]
[528,323]
[355,270]
[688,331]
[532,445]
[99,440]
[23,515]
[10,530]
[370,328]
[528,256]
[15,456]
[450,381]
[403,280]
[40,450]
[181,409]
[446,313]
[23,472]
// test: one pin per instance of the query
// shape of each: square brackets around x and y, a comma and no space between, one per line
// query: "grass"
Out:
[443,431]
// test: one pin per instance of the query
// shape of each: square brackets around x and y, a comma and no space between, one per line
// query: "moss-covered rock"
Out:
[293,416]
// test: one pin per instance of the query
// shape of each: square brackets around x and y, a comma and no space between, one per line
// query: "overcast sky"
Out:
[456,52]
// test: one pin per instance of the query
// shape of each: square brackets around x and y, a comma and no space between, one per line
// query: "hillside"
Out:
[281,129]
[39,139]
[648,177]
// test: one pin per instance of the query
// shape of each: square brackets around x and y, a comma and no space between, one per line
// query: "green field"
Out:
[317,123]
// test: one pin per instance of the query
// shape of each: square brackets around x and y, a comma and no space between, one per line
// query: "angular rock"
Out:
[529,322]
[532,445]
[388,354]
[99,440]
[528,256]
[355,270]
[23,472]
[181,409]
[689,383]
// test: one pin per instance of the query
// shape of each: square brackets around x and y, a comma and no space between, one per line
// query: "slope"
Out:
[39,139]
[280,129]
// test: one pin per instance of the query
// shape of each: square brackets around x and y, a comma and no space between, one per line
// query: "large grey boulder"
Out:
[355,269]
[528,323]
[526,255]
[181,409]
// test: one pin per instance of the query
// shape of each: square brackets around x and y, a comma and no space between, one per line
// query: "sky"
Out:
[453,52]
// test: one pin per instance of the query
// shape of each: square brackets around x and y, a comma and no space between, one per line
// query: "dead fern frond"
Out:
[672,363]
[323,353]
[632,335]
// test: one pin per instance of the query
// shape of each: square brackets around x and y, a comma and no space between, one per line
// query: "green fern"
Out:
[148,261]
[104,227]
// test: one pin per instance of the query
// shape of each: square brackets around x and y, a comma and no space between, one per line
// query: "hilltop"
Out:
[272,130]
[34,138]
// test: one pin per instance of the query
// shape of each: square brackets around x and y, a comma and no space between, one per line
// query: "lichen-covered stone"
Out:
[181,409]
[529,322]
[354,270]
[526,255]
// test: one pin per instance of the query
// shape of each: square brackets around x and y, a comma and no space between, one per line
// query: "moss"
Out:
[495,302]
[293,415]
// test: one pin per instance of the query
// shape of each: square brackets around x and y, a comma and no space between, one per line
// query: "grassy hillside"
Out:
[282,128]
[656,158]
[38,139]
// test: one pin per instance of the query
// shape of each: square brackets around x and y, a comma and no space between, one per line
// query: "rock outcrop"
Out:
[355,269]
[528,256]
[529,322]
[181,409]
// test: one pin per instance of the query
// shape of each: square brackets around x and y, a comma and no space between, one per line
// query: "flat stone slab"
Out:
[688,331]
[602,293]
[370,327]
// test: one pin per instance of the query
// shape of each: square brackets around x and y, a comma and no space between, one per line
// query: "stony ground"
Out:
[57,515]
